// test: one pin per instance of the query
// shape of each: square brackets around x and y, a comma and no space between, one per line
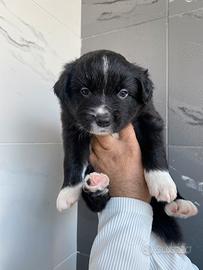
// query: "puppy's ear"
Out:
[62,86]
[145,85]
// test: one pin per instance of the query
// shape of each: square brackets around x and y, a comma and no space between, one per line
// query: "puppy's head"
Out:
[103,91]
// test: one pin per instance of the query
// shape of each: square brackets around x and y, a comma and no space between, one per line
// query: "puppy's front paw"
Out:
[96,183]
[181,208]
[161,185]
[68,196]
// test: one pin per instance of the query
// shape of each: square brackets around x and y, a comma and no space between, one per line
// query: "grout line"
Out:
[29,143]
[65,260]
[167,77]
[185,146]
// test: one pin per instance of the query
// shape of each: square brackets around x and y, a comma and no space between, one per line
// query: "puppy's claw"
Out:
[181,208]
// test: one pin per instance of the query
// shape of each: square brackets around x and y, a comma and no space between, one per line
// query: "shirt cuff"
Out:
[124,204]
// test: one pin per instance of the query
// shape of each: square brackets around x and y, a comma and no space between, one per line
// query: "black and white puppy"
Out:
[100,93]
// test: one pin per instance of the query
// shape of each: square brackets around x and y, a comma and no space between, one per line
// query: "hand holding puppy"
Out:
[120,159]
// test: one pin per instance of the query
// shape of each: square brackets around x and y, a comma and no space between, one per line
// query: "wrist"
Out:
[137,191]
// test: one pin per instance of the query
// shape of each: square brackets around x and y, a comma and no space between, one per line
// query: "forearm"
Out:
[123,234]
[125,241]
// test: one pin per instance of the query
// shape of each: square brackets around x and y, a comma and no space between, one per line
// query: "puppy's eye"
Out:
[122,94]
[85,91]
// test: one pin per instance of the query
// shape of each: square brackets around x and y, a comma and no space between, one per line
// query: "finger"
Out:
[95,146]
[106,141]
[128,134]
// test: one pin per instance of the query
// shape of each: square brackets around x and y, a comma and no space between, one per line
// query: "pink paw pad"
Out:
[181,208]
[96,182]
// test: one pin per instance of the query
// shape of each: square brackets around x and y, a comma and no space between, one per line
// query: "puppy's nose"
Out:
[103,119]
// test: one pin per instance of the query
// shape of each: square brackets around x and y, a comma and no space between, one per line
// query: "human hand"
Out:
[121,160]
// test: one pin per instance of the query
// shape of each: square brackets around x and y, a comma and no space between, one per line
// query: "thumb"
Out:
[128,134]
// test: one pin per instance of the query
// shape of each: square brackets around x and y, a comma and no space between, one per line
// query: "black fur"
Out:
[137,108]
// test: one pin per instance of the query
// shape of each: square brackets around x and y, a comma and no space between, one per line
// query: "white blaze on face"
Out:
[105,70]
[105,65]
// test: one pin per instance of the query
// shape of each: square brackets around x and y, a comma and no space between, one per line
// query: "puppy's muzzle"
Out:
[103,119]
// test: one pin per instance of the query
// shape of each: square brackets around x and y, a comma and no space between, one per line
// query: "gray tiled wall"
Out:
[185,78]
[186,112]
[100,16]
[165,37]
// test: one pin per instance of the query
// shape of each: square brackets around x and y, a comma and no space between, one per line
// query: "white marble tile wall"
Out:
[36,39]
[34,46]
[66,12]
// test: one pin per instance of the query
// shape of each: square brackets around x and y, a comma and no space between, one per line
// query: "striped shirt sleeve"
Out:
[124,240]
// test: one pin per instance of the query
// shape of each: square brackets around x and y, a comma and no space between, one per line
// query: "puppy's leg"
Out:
[95,191]
[160,184]
[166,227]
[96,183]
[181,208]
[68,196]
[76,151]
[149,131]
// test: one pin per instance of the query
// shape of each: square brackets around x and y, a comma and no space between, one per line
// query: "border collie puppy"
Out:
[100,93]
